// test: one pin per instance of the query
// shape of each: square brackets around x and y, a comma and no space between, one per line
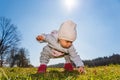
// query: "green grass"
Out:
[111,72]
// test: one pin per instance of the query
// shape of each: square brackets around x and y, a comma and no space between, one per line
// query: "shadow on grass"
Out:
[56,75]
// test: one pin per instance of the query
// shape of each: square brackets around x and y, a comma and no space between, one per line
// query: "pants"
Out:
[46,55]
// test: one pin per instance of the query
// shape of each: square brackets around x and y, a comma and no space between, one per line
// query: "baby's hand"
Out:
[81,69]
[40,38]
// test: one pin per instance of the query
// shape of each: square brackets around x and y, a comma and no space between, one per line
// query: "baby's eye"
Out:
[69,41]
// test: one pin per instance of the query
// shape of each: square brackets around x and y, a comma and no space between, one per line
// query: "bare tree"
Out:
[18,57]
[8,37]
[22,58]
[11,57]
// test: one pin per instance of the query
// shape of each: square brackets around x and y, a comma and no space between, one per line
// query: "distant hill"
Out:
[100,61]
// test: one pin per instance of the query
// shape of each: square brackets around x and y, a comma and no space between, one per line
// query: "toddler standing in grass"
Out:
[59,44]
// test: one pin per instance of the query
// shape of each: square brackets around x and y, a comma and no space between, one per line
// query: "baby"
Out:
[59,44]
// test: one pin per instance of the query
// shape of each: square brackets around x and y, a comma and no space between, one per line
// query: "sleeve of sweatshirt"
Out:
[75,57]
[48,38]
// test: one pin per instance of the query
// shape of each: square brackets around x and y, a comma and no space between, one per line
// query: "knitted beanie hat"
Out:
[67,31]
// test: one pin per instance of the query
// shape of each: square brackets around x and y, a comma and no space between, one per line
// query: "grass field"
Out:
[111,72]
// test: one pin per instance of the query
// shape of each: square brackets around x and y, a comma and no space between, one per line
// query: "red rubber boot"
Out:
[68,67]
[42,68]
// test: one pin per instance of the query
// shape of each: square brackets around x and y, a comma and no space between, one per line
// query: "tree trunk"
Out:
[1,61]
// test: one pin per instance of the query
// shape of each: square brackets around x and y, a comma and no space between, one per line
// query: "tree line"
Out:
[10,38]
[100,61]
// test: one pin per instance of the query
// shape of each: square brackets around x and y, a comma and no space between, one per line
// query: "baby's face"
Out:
[65,43]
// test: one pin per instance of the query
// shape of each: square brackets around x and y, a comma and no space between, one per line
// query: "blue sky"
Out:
[98,25]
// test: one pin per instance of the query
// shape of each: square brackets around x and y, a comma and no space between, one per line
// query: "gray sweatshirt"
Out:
[52,40]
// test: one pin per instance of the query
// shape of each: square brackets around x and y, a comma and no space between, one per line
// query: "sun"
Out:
[70,4]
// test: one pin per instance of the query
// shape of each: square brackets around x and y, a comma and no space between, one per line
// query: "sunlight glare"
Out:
[70,4]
